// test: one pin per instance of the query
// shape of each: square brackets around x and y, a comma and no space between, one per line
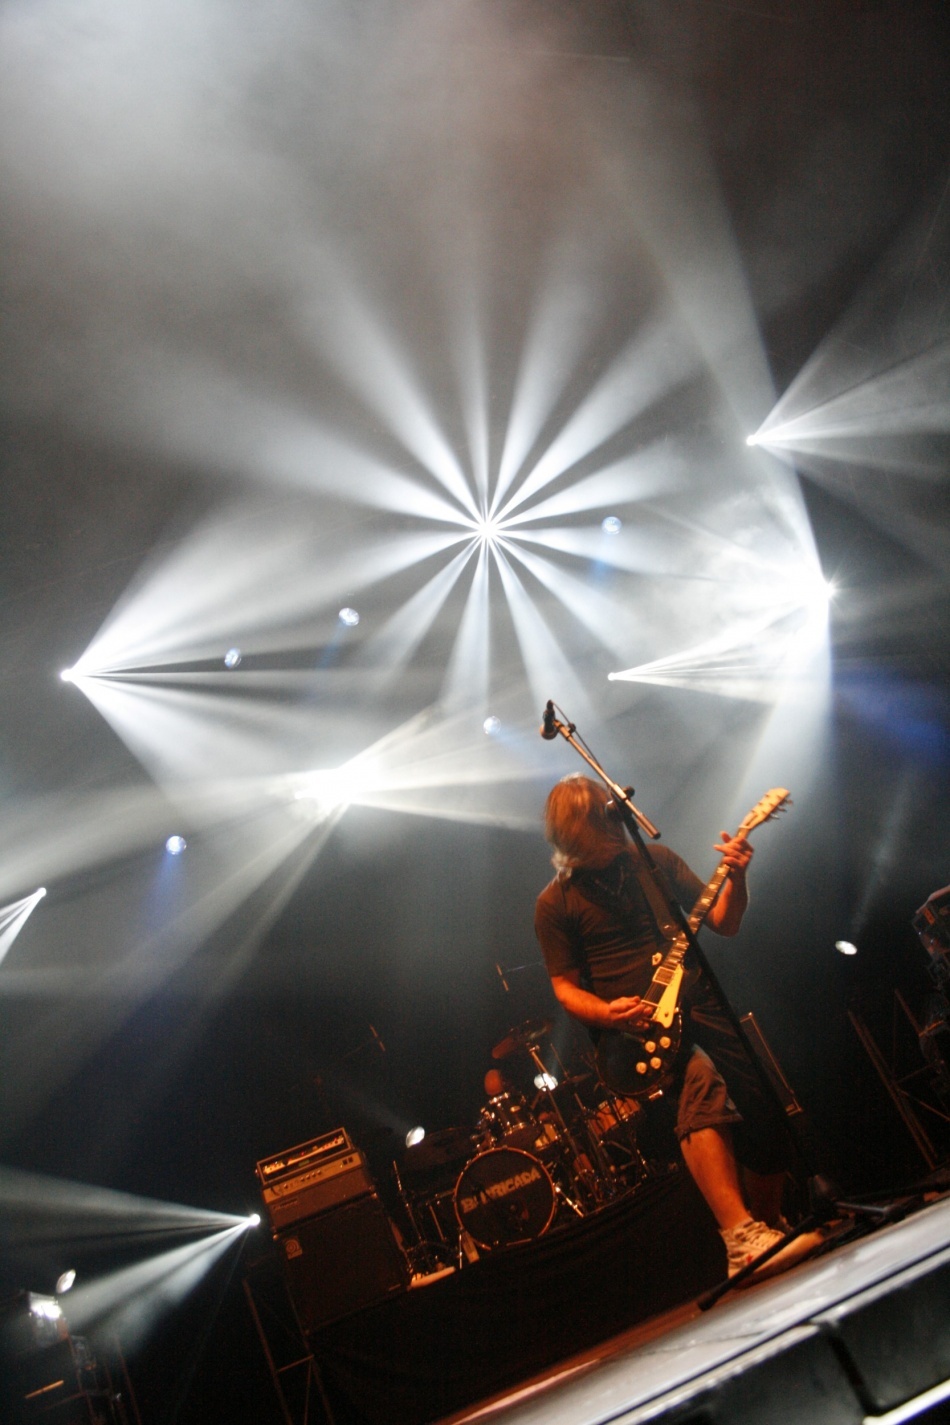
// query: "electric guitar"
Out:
[640,1062]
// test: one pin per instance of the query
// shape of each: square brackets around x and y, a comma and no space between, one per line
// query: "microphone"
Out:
[382,1046]
[548,728]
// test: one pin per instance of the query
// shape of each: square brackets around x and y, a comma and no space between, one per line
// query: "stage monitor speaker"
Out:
[342,1261]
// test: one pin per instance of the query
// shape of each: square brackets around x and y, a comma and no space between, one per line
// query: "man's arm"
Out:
[595,1012]
[725,916]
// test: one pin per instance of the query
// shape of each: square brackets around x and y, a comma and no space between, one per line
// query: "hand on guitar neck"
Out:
[725,915]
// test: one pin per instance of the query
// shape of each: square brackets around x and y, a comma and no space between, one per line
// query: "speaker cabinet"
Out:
[342,1261]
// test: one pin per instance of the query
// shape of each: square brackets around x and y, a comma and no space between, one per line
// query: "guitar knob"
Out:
[650,1047]
[641,1067]
[656,1063]
[665,1042]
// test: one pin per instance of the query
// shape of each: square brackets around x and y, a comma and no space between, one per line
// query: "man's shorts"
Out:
[704,1100]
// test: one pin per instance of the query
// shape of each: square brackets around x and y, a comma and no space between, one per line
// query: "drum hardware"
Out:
[432,1247]
[612,1129]
[526,1038]
[584,1177]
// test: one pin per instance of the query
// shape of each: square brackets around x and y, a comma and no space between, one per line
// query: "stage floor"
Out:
[858,1334]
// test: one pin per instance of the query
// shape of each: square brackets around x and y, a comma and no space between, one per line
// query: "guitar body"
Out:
[639,1063]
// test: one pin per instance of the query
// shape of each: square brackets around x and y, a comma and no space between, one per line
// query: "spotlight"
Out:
[487,530]
[175,845]
[350,617]
[44,1308]
[491,725]
[846,947]
[41,892]
[611,524]
[414,1136]
[545,1081]
[67,675]
[752,440]
[254,1220]
[232,659]
[64,1282]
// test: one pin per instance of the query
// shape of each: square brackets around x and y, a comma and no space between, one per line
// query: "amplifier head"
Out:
[304,1155]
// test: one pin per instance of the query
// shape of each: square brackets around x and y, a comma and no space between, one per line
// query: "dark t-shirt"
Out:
[600,924]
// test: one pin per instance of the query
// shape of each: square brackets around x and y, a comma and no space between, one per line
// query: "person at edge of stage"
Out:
[598,937]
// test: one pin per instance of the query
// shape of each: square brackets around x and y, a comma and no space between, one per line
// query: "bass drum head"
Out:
[503,1197]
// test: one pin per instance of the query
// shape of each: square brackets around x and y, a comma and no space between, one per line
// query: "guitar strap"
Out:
[659,909]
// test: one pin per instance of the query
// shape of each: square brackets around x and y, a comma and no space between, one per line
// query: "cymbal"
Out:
[525,1036]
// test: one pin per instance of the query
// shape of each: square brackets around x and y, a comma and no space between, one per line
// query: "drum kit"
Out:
[526,1167]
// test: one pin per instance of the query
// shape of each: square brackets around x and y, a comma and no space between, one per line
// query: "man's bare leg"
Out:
[712,1164]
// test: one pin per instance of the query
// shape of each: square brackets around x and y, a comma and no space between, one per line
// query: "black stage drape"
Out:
[437,1348]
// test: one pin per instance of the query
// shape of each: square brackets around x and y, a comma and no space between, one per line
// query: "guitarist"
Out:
[599,939]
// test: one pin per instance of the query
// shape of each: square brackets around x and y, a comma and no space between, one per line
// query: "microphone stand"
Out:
[636,823]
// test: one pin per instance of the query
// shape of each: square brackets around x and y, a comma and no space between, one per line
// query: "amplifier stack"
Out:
[339,1248]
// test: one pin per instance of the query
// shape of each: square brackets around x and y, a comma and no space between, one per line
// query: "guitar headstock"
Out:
[775,801]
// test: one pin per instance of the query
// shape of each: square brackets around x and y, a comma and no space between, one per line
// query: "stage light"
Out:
[14,916]
[254,1220]
[752,440]
[67,675]
[175,845]
[545,1081]
[491,725]
[611,524]
[845,947]
[488,530]
[45,1308]
[414,1136]
[349,617]
[64,1282]
[232,659]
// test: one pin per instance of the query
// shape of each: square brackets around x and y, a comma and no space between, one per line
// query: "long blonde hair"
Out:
[579,826]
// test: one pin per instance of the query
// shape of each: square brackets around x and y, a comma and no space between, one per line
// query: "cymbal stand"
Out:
[586,1177]
[423,1252]
[595,1151]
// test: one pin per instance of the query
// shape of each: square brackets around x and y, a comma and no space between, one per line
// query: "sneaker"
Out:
[750,1239]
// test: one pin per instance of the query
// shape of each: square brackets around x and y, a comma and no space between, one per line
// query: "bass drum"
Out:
[503,1197]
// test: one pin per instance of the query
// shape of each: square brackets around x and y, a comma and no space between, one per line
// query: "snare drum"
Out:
[503,1197]
[506,1120]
